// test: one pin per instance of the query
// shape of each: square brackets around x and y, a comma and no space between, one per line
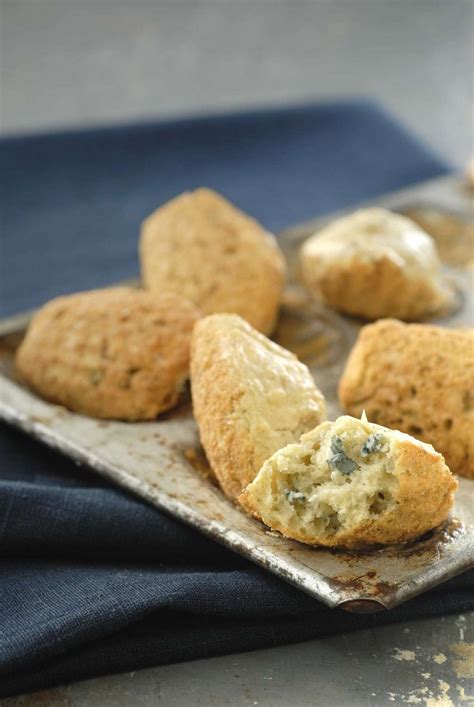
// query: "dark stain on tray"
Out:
[366,583]
[433,542]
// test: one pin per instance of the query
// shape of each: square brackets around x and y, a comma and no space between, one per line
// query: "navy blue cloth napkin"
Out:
[93,580]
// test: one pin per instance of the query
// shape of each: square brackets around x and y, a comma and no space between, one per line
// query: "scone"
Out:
[419,379]
[202,247]
[114,353]
[375,264]
[250,397]
[352,484]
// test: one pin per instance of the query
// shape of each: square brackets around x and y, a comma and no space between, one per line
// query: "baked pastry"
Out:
[373,264]
[202,247]
[250,397]
[417,378]
[114,353]
[352,484]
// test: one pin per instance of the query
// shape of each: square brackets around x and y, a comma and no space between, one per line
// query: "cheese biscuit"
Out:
[250,397]
[114,353]
[352,484]
[202,247]
[417,378]
[373,264]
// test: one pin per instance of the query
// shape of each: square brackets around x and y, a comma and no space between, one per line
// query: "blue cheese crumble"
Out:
[374,444]
[293,496]
[339,459]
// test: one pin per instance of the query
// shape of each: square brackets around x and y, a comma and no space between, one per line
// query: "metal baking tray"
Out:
[162,462]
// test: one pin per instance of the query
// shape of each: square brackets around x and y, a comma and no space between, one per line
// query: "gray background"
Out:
[83,63]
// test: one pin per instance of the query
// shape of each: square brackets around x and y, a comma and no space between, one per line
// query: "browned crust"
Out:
[219,380]
[423,500]
[216,391]
[373,289]
[202,247]
[115,353]
[419,379]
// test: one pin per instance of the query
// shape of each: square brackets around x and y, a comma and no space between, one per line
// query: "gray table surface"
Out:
[76,62]
[70,63]
[426,663]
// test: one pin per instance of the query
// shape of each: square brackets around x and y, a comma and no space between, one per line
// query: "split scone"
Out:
[250,398]
[201,246]
[352,484]
[115,353]
[417,378]
[374,264]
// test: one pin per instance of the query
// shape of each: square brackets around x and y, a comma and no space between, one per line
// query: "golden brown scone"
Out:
[419,379]
[204,248]
[374,263]
[352,484]
[250,397]
[114,353]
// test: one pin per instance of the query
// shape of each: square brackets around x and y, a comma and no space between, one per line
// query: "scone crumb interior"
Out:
[333,483]
[340,485]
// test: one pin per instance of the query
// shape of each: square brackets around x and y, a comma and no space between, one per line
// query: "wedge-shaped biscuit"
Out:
[202,247]
[419,379]
[374,264]
[250,397]
[114,353]
[352,484]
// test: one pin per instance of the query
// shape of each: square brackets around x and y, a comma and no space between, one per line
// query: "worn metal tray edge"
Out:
[217,531]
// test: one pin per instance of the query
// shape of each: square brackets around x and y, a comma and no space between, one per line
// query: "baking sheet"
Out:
[162,462]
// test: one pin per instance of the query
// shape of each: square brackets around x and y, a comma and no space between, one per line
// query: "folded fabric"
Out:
[72,202]
[93,580]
